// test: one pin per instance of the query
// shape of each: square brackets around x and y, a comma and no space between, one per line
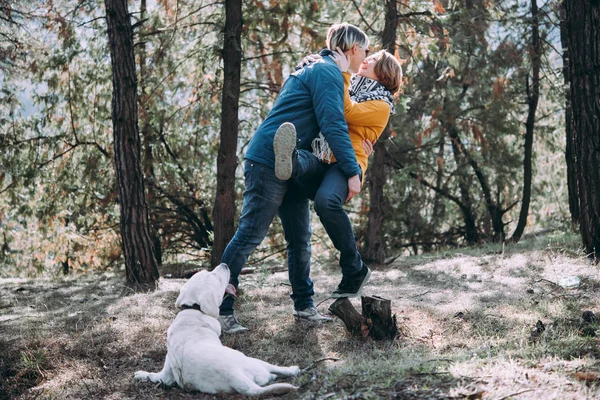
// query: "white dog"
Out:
[197,360]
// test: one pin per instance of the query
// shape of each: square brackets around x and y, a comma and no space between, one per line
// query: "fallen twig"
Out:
[323,301]
[314,364]
[516,394]
[421,294]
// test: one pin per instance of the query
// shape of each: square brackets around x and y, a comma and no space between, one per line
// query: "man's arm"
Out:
[327,91]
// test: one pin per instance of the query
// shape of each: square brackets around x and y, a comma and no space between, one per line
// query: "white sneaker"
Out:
[230,324]
[284,144]
[311,314]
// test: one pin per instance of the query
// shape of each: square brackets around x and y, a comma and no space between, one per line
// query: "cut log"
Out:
[378,312]
[355,323]
[179,270]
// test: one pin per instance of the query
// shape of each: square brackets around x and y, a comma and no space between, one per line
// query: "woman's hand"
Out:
[309,59]
[340,59]
[368,146]
[353,187]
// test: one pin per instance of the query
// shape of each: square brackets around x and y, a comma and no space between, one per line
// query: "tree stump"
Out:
[378,312]
[376,320]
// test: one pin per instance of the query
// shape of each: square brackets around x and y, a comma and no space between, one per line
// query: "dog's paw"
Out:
[141,376]
[295,370]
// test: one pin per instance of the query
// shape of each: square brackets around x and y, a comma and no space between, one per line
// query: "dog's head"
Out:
[206,289]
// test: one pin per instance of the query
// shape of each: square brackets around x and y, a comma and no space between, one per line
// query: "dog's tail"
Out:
[250,388]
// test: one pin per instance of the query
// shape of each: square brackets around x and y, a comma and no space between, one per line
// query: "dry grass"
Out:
[468,316]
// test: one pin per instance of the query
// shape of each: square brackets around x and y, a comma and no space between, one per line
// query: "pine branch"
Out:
[362,17]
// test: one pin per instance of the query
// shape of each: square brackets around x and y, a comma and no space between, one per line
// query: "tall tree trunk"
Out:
[224,208]
[533,94]
[571,134]
[140,263]
[471,235]
[147,145]
[439,180]
[583,32]
[373,244]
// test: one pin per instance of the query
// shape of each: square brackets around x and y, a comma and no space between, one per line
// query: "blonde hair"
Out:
[345,36]
[388,71]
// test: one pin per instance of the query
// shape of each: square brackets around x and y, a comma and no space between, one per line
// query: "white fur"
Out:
[197,360]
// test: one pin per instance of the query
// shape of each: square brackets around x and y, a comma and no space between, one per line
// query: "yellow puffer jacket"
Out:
[366,120]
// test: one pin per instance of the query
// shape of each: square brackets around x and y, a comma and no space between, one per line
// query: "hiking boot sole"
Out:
[284,144]
[358,292]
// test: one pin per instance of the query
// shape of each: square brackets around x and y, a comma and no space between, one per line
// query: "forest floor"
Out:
[493,322]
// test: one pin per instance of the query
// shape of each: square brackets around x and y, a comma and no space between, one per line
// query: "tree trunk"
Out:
[148,143]
[224,208]
[373,250]
[471,235]
[533,94]
[583,32]
[374,244]
[140,263]
[571,134]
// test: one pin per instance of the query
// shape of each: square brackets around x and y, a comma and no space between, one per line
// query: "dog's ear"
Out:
[209,303]
[189,291]
[183,297]
[203,290]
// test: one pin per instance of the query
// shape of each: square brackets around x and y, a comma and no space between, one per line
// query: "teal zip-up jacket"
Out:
[312,99]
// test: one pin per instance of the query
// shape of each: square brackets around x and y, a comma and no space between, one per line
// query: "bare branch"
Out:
[363,18]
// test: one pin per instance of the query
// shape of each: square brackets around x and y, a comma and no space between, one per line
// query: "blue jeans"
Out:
[328,186]
[265,196]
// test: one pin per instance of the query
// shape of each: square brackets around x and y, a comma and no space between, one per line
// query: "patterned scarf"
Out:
[365,89]
[361,89]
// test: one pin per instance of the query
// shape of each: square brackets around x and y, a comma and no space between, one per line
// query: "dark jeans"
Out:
[327,185]
[265,196]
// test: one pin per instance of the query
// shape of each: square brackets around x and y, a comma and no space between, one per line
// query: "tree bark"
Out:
[373,249]
[355,323]
[148,143]
[378,312]
[571,134]
[376,320]
[533,94]
[583,32]
[471,235]
[224,208]
[140,262]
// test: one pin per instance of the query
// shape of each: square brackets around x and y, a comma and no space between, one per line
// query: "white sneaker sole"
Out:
[358,292]
[304,319]
[320,318]
[284,144]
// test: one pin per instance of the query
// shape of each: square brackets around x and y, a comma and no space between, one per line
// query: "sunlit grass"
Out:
[468,319]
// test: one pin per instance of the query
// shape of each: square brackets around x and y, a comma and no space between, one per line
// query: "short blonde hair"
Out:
[388,71]
[345,36]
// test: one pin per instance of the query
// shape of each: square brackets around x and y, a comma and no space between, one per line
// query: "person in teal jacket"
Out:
[313,100]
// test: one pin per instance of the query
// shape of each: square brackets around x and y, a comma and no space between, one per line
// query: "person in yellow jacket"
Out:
[368,104]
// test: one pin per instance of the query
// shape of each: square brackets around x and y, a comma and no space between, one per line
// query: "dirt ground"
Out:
[493,322]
